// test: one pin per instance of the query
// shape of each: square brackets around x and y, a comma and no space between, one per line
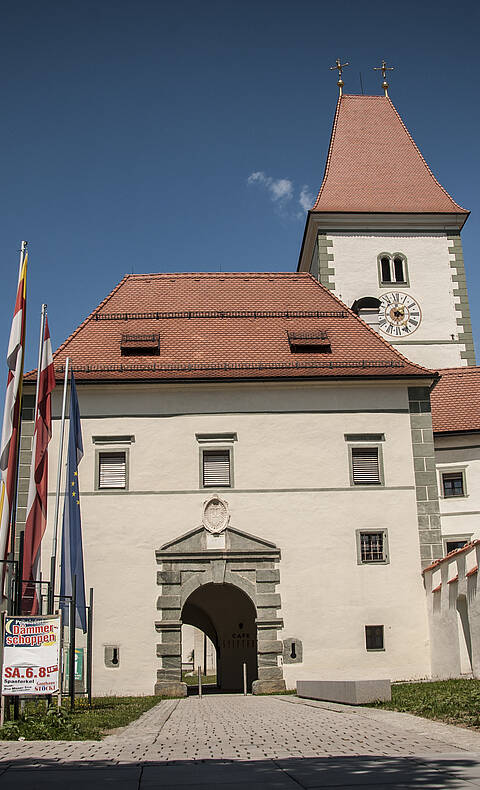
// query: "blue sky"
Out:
[130,129]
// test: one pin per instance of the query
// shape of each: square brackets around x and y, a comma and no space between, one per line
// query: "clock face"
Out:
[399,314]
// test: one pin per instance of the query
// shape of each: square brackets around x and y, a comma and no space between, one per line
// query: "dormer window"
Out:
[309,342]
[367,309]
[392,269]
[140,345]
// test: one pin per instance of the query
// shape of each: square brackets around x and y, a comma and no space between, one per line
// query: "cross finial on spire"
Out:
[384,68]
[339,65]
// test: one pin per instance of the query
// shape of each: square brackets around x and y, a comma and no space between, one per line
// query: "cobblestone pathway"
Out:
[233,741]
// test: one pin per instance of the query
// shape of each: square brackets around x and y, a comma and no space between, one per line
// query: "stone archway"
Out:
[228,617]
[234,559]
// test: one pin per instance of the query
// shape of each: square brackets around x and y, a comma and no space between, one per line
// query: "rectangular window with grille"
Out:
[374,637]
[365,466]
[372,547]
[216,469]
[112,470]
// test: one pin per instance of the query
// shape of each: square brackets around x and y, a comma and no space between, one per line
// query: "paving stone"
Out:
[237,741]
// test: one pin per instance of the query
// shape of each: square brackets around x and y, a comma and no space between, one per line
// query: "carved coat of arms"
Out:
[215,514]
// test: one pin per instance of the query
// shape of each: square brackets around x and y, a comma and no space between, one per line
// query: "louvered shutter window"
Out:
[112,470]
[216,468]
[365,466]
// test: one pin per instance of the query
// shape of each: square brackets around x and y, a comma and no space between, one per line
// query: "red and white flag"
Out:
[11,415]
[37,491]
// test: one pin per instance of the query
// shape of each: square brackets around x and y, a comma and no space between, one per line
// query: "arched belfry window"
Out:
[392,269]
[367,308]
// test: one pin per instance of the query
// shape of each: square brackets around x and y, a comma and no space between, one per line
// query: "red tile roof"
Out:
[452,554]
[226,325]
[374,165]
[456,400]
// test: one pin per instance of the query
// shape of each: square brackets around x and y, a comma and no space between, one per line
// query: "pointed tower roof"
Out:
[373,164]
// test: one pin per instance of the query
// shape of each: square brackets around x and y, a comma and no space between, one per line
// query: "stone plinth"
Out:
[166,688]
[350,692]
[276,686]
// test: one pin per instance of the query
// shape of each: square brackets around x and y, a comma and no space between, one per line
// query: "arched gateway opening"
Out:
[225,584]
[228,617]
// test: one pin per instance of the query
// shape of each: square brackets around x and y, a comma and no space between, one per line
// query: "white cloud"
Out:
[305,198]
[281,191]
[258,176]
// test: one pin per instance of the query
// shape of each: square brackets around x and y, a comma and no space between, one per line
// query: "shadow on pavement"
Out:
[443,771]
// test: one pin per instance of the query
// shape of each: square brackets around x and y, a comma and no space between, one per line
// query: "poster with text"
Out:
[31,655]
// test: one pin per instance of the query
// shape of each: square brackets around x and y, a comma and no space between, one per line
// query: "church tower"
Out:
[384,236]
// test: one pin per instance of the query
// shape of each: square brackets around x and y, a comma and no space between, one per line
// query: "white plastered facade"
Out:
[435,344]
[460,515]
[292,487]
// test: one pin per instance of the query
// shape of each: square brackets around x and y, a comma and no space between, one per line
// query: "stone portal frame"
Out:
[244,561]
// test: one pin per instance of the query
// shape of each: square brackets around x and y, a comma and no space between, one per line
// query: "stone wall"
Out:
[428,508]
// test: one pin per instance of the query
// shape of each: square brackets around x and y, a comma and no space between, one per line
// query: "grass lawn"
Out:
[192,680]
[451,701]
[84,723]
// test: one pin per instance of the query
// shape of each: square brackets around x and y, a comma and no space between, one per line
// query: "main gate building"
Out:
[259,456]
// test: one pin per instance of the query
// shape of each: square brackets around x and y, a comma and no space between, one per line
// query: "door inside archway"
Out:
[227,615]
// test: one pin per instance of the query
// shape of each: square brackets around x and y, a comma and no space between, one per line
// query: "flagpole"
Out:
[32,465]
[13,512]
[53,561]
[39,364]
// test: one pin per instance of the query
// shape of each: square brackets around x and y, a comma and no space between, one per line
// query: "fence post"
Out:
[244,679]
[89,647]
[199,681]
[51,591]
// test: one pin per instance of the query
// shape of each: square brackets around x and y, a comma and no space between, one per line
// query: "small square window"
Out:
[453,545]
[374,637]
[216,469]
[365,466]
[373,546]
[112,470]
[453,484]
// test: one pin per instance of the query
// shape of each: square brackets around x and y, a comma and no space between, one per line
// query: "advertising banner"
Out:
[31,655]
[79,667]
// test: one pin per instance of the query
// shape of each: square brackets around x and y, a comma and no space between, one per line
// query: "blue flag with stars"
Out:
[72,547]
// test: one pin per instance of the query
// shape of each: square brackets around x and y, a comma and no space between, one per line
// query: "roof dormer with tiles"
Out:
[384,236]
[211,326]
